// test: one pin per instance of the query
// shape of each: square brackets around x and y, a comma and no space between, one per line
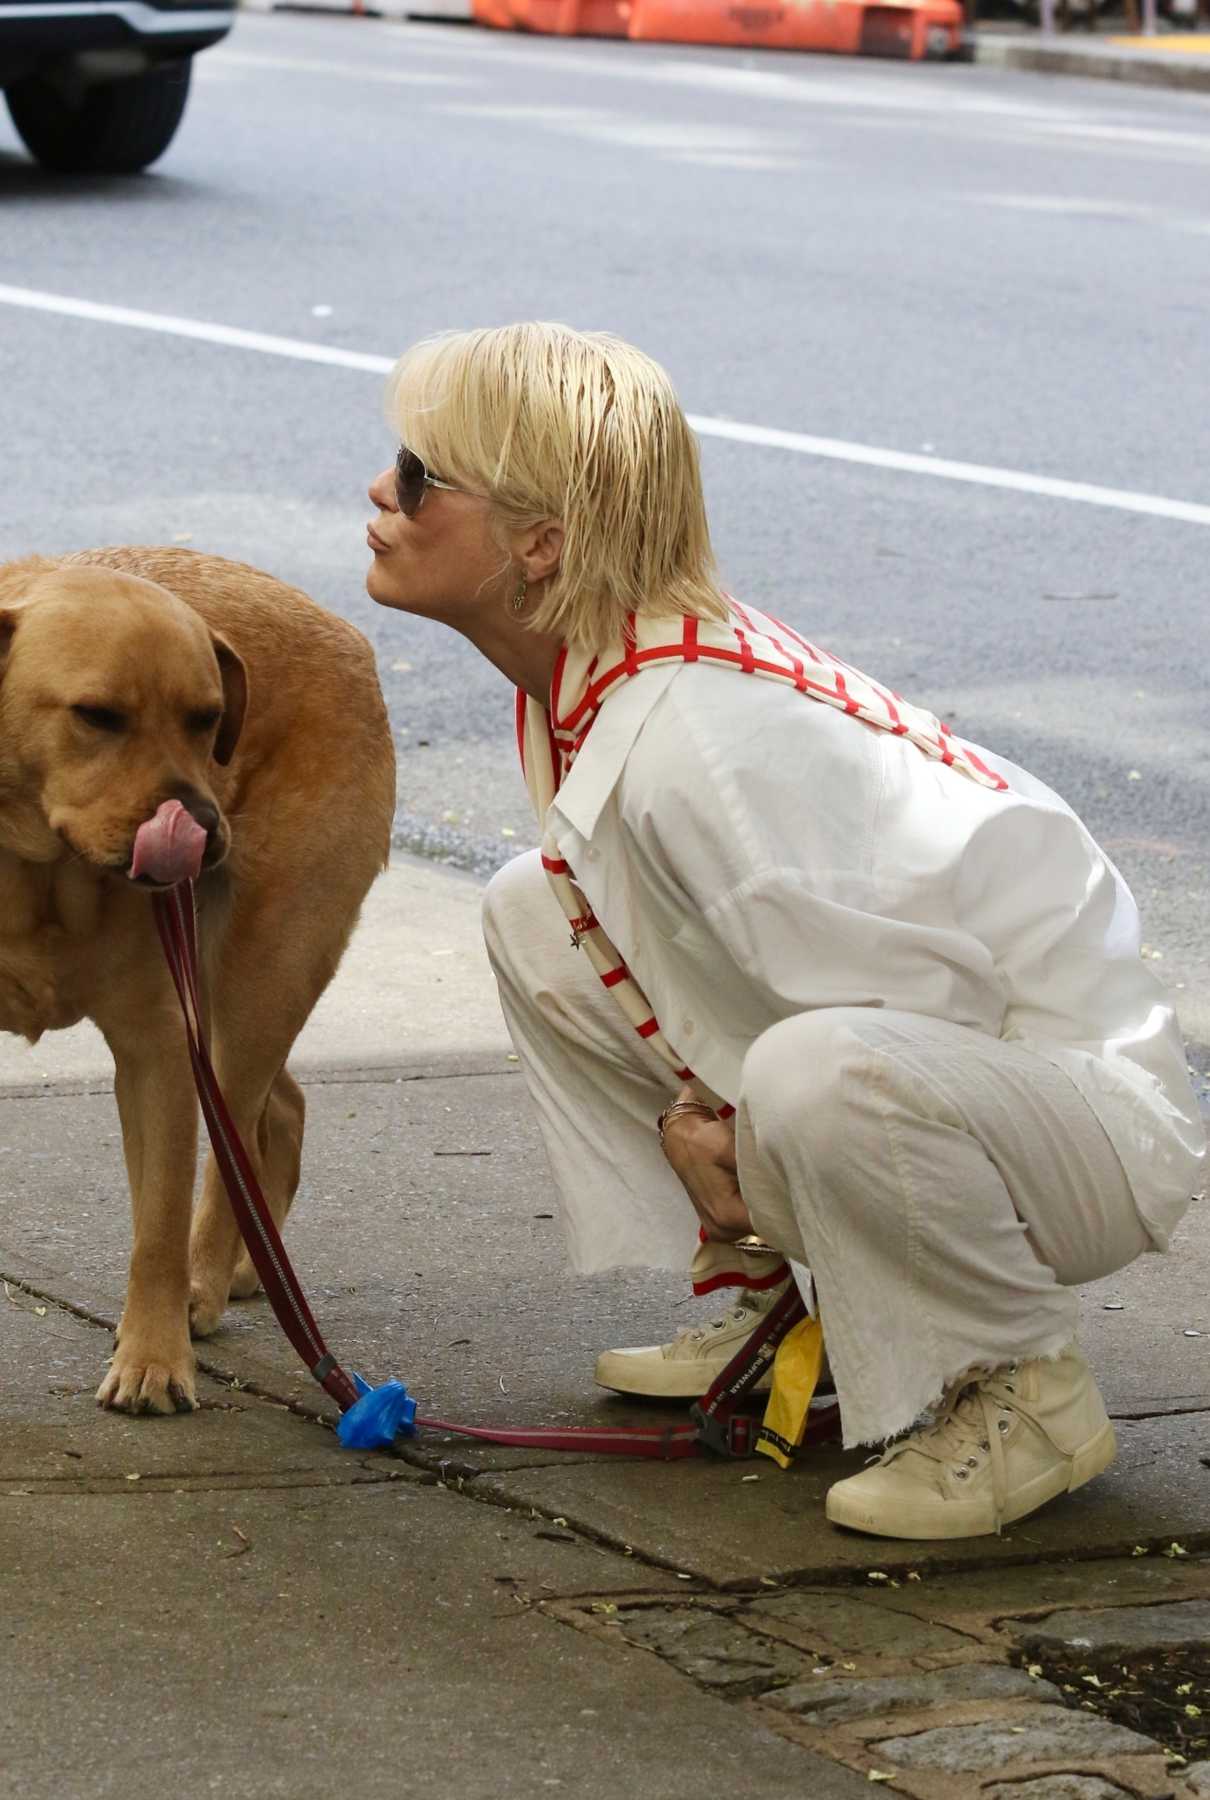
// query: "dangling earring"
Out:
[522,590]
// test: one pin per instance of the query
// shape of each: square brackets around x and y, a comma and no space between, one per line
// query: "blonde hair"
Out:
[576,426]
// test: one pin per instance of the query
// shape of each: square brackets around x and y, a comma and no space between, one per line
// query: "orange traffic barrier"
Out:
[496,13]
[556,18]
[847,27]
[904,28]
[774,24]
[605,18]
[901,28]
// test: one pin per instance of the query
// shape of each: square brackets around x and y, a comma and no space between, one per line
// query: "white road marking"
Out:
[762,436]
[232,336]
[981,475]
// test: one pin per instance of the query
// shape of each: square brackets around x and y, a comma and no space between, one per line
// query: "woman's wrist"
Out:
[682,1109]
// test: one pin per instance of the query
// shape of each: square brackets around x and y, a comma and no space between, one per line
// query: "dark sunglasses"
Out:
[411,479]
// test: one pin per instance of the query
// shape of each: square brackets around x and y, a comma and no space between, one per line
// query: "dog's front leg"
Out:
[153,1365]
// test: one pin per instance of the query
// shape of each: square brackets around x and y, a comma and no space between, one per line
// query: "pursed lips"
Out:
[373,539]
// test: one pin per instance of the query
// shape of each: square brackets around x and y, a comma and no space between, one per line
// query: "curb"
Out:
[1140,67]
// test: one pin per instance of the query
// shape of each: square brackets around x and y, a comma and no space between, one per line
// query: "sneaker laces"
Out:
[750,1306]
[973,1415]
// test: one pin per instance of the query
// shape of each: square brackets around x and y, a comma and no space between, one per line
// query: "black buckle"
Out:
[730,1436]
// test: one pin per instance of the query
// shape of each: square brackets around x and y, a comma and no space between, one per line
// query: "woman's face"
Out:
[443,563]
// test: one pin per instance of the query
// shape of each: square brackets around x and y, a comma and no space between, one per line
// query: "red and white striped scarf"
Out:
[750,642]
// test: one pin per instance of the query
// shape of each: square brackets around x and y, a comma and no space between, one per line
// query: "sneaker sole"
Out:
[951,1519]
[674,1382]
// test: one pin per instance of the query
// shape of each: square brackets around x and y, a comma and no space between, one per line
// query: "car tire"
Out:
[113,128]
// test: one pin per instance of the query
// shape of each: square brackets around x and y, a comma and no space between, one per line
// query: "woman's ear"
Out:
[540,549]
[235,699]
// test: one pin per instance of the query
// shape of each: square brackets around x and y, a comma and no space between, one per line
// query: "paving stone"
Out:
[858,1625]
[1056,1787]
[1120,1627]
[821,1702]
[715,1651]
[1197,1777]
[1050,1732]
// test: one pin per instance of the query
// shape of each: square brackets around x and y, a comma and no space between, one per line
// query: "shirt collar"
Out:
[600,760]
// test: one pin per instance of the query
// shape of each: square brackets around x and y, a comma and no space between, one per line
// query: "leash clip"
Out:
[730,1436]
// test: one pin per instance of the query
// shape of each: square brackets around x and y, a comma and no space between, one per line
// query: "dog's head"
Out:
[116,703]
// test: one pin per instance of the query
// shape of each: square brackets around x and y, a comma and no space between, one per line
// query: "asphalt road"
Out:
[972,266]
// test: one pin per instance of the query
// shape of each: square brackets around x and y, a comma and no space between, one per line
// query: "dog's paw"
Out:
[245,1282]
[149,1383]
[207,1304]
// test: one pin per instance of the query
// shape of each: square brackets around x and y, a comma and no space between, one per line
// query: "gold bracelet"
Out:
[683,1109]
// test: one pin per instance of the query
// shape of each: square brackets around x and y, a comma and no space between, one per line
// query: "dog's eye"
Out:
[204,721]
[104,718]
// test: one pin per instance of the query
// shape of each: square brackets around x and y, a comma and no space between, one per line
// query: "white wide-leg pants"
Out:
[946,1189]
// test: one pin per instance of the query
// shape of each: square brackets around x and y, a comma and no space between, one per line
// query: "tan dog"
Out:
[164,713]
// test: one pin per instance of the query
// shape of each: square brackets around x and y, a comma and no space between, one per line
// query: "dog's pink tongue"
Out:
[169,847]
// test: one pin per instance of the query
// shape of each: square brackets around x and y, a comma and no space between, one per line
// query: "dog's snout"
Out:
[206,816]
[204,811]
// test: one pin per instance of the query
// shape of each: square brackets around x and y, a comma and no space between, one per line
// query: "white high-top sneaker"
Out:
[684,1369]
[999,1446]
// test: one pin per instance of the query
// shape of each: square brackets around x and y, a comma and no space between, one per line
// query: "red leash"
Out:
[177,921]
[373,1417]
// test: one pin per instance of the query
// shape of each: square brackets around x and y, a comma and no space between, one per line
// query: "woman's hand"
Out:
[701,1154]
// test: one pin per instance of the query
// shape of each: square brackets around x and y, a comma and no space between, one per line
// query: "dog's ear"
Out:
[235,699]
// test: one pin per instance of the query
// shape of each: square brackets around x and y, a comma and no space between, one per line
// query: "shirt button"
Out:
[591,855]
[688,1027]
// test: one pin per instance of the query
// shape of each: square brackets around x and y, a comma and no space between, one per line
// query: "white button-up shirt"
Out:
[753,854]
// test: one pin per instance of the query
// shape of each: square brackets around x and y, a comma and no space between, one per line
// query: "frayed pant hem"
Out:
[866,1433]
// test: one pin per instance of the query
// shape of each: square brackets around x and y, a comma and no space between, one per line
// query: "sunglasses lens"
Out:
[409,481]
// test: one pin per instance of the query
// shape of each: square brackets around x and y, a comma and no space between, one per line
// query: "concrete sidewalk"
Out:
[231,1603]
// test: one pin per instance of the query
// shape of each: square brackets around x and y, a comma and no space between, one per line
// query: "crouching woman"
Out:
[890,977]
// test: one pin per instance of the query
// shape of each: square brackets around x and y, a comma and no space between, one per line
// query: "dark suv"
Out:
[100,85]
